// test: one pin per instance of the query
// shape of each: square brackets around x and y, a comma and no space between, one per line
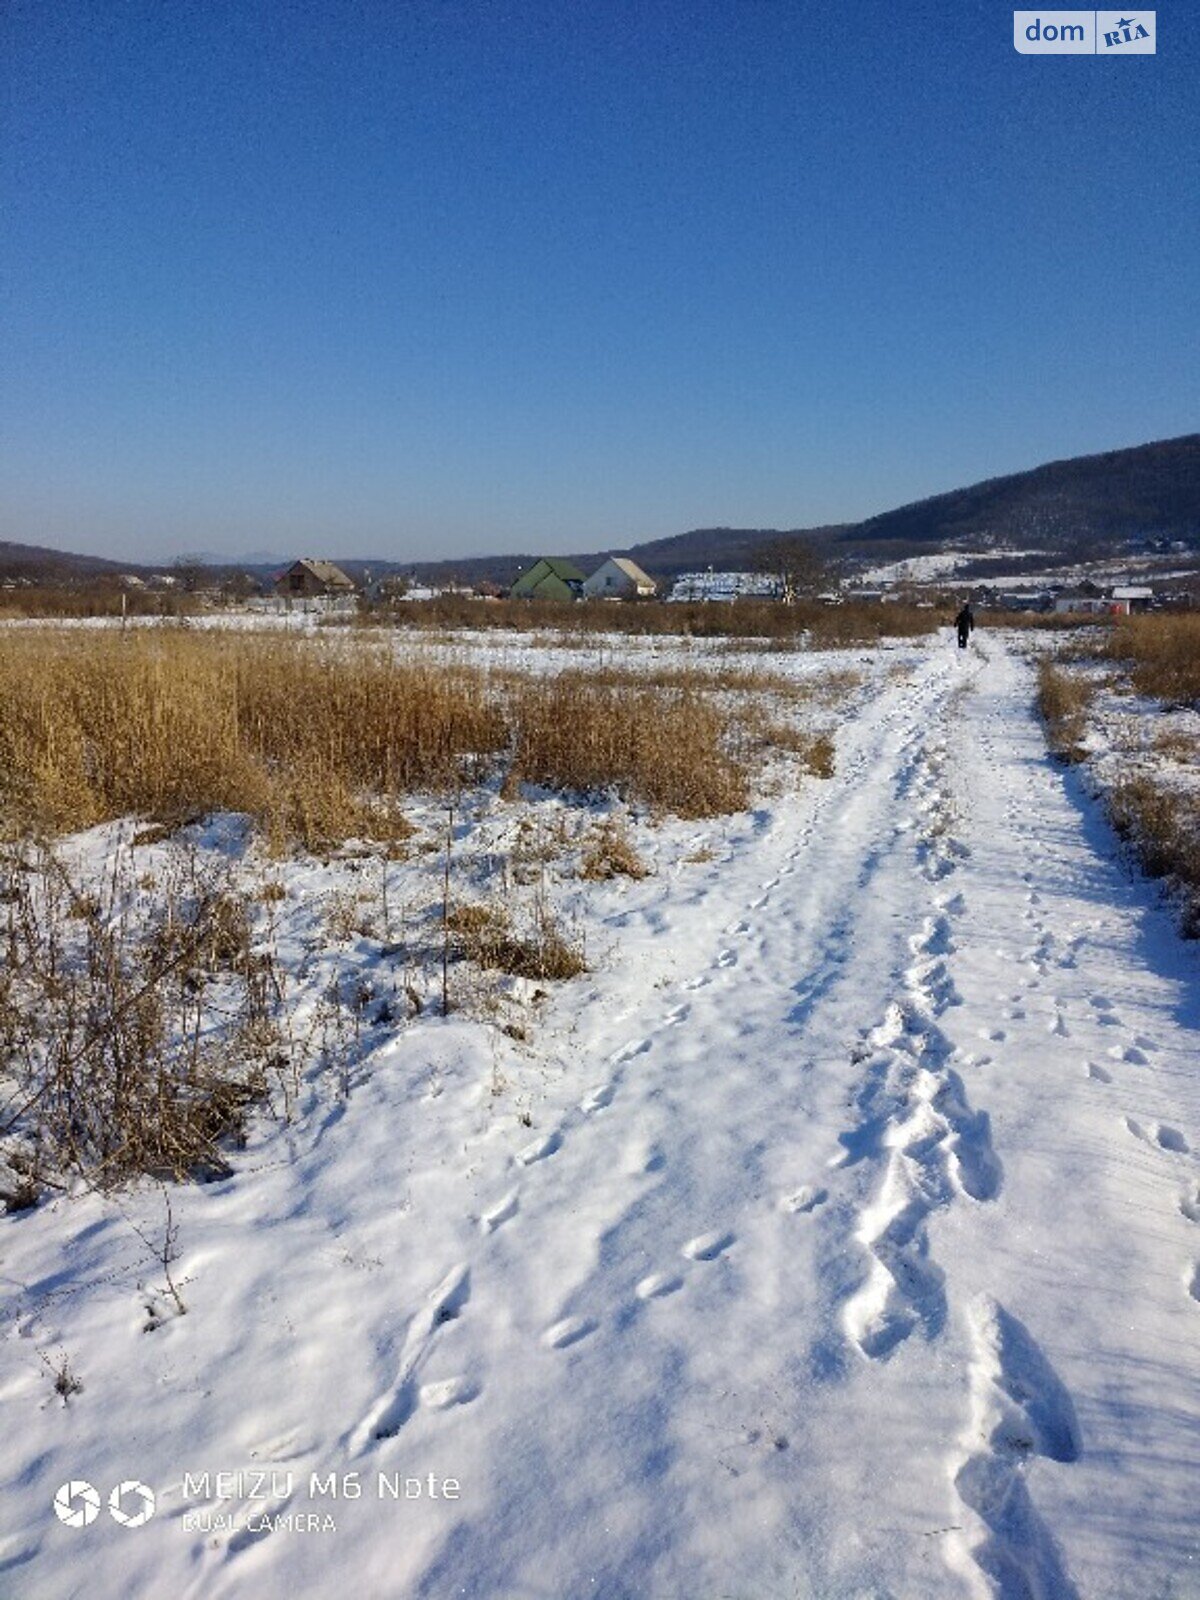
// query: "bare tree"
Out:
[795,563]
[191,573]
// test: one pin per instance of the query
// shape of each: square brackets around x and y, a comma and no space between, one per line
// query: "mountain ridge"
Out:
[1079,505]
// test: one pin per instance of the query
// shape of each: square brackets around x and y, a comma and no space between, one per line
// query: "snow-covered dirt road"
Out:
[853,1247]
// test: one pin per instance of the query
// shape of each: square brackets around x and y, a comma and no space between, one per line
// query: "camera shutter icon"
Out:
[143,1498]
[77,1503]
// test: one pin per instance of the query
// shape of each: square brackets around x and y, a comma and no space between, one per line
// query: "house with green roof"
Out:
[551,578]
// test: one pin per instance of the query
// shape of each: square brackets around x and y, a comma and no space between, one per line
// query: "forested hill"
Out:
[1150,491]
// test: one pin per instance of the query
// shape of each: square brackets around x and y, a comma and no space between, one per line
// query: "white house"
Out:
[1137,597]
[618,579]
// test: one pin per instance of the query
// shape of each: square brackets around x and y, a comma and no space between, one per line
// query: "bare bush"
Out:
[111,1063]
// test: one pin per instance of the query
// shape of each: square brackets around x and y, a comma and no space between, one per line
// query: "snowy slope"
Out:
[853,1247]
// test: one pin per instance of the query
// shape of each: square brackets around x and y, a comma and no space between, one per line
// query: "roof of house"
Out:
[631,569]
[561,568]
[1132,591]
[324,571]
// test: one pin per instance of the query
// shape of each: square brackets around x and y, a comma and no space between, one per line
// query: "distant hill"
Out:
[1086,506]
[36,563]
[1075,507]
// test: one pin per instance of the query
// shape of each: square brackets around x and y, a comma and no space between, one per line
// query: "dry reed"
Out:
[319,739]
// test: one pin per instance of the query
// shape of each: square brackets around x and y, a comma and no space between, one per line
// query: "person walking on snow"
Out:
[965,623]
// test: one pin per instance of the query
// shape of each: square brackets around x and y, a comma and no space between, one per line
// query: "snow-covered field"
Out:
[836,1235]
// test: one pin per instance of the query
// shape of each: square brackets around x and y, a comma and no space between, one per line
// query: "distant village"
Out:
[316,584]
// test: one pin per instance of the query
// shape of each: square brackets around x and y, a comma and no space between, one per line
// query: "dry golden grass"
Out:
[169,724]
[665,749]
[1063,700]
[319,739]
[1162,824]
[610,853]
[1164,652]
[1178,746]
[808,622]
[816,751]
[483,933]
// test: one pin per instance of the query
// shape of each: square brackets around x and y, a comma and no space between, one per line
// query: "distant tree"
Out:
[796,565]
[238,586]
[190,573]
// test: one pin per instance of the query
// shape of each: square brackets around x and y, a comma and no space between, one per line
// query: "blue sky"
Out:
[412,278]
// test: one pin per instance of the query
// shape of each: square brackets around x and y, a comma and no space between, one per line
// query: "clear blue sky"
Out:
[410,278]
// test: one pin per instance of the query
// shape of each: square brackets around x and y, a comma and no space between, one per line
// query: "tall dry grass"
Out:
[96,725]
[807,623]
[320,739]
[1063,700]
[665,748]
[1162,826]
[1164,654]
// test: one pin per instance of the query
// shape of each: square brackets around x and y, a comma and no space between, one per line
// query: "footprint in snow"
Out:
[741,927]
[677,1015]
[1189,1205]
[627,1052]
[599,1097]
[707,1246]
[500,1213]
[1128,1052]
[1160,1134]
[1097,1072]
[727,958]
[644,1155]
[658,1285]
[540,1149]
[571,1330]
[1192,1279]
[804,1200]
[449,1392]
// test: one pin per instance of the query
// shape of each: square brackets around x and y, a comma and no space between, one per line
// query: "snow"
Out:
[940,564]
[838,1234]
[724,586]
